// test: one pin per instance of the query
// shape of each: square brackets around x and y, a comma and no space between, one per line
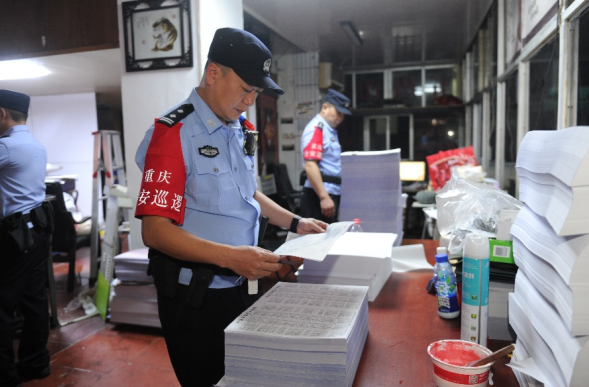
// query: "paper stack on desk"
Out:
[298,335]
[371,191]
[549,306]
[134,298]
[362,259]
[558,267]
[553,167]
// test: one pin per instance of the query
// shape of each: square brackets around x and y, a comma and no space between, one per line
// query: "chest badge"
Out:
[333,139]
[208,151]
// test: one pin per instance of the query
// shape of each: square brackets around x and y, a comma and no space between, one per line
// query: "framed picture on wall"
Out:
[157,34]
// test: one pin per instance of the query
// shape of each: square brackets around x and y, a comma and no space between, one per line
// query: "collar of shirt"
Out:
[325,124]
[208,118]
[14,129]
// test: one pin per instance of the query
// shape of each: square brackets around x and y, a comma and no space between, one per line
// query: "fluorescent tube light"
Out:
[21,69]
[350,30]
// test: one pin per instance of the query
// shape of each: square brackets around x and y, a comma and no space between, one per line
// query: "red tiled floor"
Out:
[94,353]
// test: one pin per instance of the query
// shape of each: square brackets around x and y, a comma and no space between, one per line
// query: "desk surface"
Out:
[403,321]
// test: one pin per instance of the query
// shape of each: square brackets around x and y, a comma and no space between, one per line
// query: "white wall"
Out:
[148,94]
[64,124]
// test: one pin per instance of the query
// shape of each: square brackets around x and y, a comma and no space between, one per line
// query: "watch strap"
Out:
[294,224]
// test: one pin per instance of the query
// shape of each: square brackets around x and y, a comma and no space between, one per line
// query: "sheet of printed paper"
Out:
[313,246]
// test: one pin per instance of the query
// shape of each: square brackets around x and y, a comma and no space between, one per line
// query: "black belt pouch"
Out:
[165,271]
[16,233]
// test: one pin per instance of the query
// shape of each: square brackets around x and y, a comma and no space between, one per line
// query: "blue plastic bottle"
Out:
[445,286]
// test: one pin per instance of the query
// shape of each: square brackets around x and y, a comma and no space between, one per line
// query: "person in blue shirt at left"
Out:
[200,207]
[322,159]
[25,229]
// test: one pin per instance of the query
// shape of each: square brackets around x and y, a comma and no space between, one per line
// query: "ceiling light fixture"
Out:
[350,30]
[21,69]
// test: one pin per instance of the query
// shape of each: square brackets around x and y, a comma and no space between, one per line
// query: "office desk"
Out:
[403,321]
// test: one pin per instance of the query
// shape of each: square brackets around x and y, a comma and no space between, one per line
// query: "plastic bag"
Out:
[442,164]
[465,206]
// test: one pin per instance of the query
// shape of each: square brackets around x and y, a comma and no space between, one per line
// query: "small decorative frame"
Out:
[157,34]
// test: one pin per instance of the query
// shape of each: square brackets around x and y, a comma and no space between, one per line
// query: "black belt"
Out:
[326,178]
[331,179]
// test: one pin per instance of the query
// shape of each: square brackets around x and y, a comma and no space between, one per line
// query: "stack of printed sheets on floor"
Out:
[548,309]
[371,191]
[362,259]
[134,299]
[298,335]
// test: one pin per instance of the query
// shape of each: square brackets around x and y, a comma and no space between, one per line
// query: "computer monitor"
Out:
[412,170]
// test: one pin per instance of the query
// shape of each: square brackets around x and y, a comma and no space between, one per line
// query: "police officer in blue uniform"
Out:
[25,226]
[321,159]
[200,207]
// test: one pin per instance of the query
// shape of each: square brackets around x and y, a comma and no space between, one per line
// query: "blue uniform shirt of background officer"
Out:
[321,159]
[199,206]
[25,225]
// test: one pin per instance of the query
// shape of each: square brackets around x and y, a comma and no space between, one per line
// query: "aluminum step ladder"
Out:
[108,172]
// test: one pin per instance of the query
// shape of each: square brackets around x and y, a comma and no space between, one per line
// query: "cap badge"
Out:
[267,64]
[347,104]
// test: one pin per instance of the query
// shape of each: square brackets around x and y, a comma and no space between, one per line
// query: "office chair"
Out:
[287,196]
[64,241]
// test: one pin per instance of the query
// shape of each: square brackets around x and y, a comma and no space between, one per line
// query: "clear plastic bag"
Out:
[465,206]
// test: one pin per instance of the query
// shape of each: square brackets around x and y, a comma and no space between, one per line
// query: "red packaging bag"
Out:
[441,164]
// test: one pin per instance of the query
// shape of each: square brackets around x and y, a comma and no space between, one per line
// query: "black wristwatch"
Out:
[294,224]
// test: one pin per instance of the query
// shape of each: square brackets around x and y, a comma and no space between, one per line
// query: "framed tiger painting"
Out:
[157,34]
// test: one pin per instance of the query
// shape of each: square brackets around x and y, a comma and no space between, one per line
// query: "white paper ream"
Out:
[410,258]
[314,246]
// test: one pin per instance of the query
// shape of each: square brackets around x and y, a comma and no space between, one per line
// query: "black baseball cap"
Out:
[340,101]
[246,55]
[14,100]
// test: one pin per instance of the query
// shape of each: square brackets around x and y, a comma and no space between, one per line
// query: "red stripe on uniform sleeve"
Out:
[314,149]
[164,176]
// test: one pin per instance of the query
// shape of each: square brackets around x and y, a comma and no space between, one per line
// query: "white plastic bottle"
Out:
[445,286]
[356,226]
[475,289]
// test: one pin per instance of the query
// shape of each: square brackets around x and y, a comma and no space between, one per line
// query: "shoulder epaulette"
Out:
[177,115]
[320,125]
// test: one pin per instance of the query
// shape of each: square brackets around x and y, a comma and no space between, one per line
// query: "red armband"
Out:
[164,175]
[314,149]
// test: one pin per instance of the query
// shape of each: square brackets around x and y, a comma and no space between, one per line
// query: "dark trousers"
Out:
[195,337]
[311,206]
[23,284]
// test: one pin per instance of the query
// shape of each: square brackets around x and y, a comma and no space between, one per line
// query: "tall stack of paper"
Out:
[298,335]
[134,298]
[558,267]
[371,191]
[549,307]
[362,259]
[562,357]
[553,167]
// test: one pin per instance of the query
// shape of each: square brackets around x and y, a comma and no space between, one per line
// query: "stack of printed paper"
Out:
[553,167]
[549,307]
[371,191]
[558,267]
[298,335]
[134,298]
[354,259]
[562,357]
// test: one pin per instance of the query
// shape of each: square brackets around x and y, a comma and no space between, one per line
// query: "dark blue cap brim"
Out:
[263,82]
[342,110]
